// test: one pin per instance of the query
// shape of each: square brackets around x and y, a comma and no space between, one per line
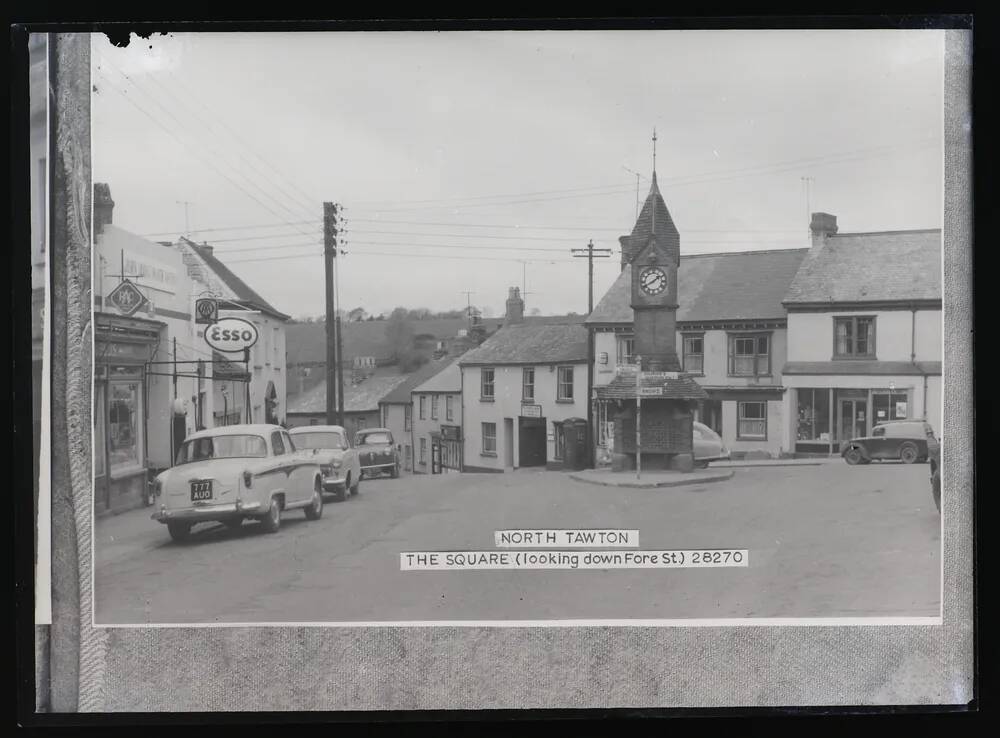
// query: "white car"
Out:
[237,472]
[338,461]
[708,446]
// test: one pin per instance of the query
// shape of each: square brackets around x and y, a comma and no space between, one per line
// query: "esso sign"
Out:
[231,335]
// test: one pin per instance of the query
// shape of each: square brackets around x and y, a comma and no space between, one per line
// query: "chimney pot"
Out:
[822,225]
[515,307]
[103,206]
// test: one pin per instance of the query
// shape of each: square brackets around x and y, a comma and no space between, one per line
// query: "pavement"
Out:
[823,541]
[651,479]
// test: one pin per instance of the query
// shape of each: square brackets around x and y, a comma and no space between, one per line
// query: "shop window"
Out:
[487,386]
[749,355]
[854,338]
[752,421]
[813,422]
[528,384]
[694,353]
[565,389]
[100,431]
[490,438]
[124,425]
[888,405]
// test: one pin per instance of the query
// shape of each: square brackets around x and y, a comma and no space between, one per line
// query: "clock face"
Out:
[652,280]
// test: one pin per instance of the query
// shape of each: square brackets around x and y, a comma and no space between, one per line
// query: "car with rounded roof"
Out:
[234,473]
[337,459]
[707,446]
[903,440]
[377,452]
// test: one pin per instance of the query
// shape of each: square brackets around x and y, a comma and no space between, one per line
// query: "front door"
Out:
[853,419]
[531,442]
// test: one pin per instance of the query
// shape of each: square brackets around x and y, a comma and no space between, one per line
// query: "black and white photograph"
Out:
[499,335]
[517,327]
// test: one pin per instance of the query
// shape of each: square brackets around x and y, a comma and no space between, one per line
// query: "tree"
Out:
[358,313]
[534,311]
[399,333]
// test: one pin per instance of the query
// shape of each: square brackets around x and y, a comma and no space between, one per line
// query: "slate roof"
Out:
[742,285]
[870,267]
[919,368]
[531,343]
[654,204]
[243,291]
[623,388]
[400,394]
[363,397]
[448,379]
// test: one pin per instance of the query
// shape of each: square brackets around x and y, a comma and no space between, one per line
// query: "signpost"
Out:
[638,417]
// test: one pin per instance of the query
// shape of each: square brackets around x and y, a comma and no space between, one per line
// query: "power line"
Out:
[401,255]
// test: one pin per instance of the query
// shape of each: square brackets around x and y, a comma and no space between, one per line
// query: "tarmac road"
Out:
[824,541]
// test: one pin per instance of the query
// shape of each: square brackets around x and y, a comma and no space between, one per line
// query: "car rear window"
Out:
[319,439]
[377,437]
[222,447]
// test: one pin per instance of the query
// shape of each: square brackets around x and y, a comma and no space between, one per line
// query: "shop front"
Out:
[123,346]
[827,416]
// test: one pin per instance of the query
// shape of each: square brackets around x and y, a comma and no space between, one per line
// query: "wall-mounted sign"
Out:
[901,409]
[231,335]
[659,376]
[206,311]
[126,298]
[650,391]
[531,411]
[602,358]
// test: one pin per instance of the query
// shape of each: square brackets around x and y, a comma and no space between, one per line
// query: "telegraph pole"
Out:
[468,305]
[807,181]
[340,377]
[332,355]
[187,221]
[590,253]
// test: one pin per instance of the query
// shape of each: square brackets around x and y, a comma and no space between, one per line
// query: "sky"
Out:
[475,161]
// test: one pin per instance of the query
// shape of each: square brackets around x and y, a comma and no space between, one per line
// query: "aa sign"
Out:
[231,335]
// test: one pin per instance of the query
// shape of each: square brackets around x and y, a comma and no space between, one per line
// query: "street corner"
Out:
[651,480]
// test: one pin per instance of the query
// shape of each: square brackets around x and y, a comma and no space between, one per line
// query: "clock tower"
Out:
[653,256]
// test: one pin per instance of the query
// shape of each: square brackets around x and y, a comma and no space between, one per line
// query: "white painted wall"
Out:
[810,335]
[777,436]
[507,404]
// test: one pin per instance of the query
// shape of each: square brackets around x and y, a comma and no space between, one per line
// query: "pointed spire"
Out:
[654,190]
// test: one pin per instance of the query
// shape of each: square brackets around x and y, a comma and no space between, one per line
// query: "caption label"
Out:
[665,559]
[568,538]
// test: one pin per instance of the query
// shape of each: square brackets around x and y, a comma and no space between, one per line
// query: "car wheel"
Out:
[394,472]
[179,531]
[345,490]
[272,521]
[701,464]
[936,490]
[908,453]
[853,456]
[315,510]
[355,487]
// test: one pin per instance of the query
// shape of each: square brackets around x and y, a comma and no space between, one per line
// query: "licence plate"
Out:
[201,491]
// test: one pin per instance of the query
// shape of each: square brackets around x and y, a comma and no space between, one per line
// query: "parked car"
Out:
[338,461]
[377,452]
[237,472]
[934,456]
[708,446]
[905,440]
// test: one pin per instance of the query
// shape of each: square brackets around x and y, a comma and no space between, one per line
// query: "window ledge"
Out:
[488,454]
[854,357]
[748,376]
[565,402]
[487,399]
[527,400]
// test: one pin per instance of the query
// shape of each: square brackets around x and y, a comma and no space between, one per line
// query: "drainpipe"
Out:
[913,334]
[591,436]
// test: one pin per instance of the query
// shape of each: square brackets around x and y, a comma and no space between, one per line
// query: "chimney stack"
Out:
[206,248]
[103,206]
[515,307]
[822,225]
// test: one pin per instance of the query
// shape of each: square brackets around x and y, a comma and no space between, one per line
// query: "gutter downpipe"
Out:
[592,437]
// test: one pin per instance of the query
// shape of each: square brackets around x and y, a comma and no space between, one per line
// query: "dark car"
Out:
[905,440]
[934,456]
[377,452]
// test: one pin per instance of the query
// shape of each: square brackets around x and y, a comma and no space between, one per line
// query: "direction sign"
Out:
[659,376]
[206,311]
[650,391]
[126,298]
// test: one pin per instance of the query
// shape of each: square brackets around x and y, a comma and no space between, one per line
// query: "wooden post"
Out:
[638,417]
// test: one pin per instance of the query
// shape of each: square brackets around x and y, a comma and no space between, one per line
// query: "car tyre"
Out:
[272,521]
[345,490]
[315,510]
[908,453]
[853,456]
[179,531]
[354,488]
[701,464]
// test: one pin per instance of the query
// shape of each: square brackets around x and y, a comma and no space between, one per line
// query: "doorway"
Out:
[508,443]
[531,441]
[852,420]
[710,414]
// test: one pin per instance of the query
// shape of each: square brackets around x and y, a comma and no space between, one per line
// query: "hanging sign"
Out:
[231,335]
[126,298]
[206,311]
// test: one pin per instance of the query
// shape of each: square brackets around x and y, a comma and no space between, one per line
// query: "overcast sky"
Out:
[475,161]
